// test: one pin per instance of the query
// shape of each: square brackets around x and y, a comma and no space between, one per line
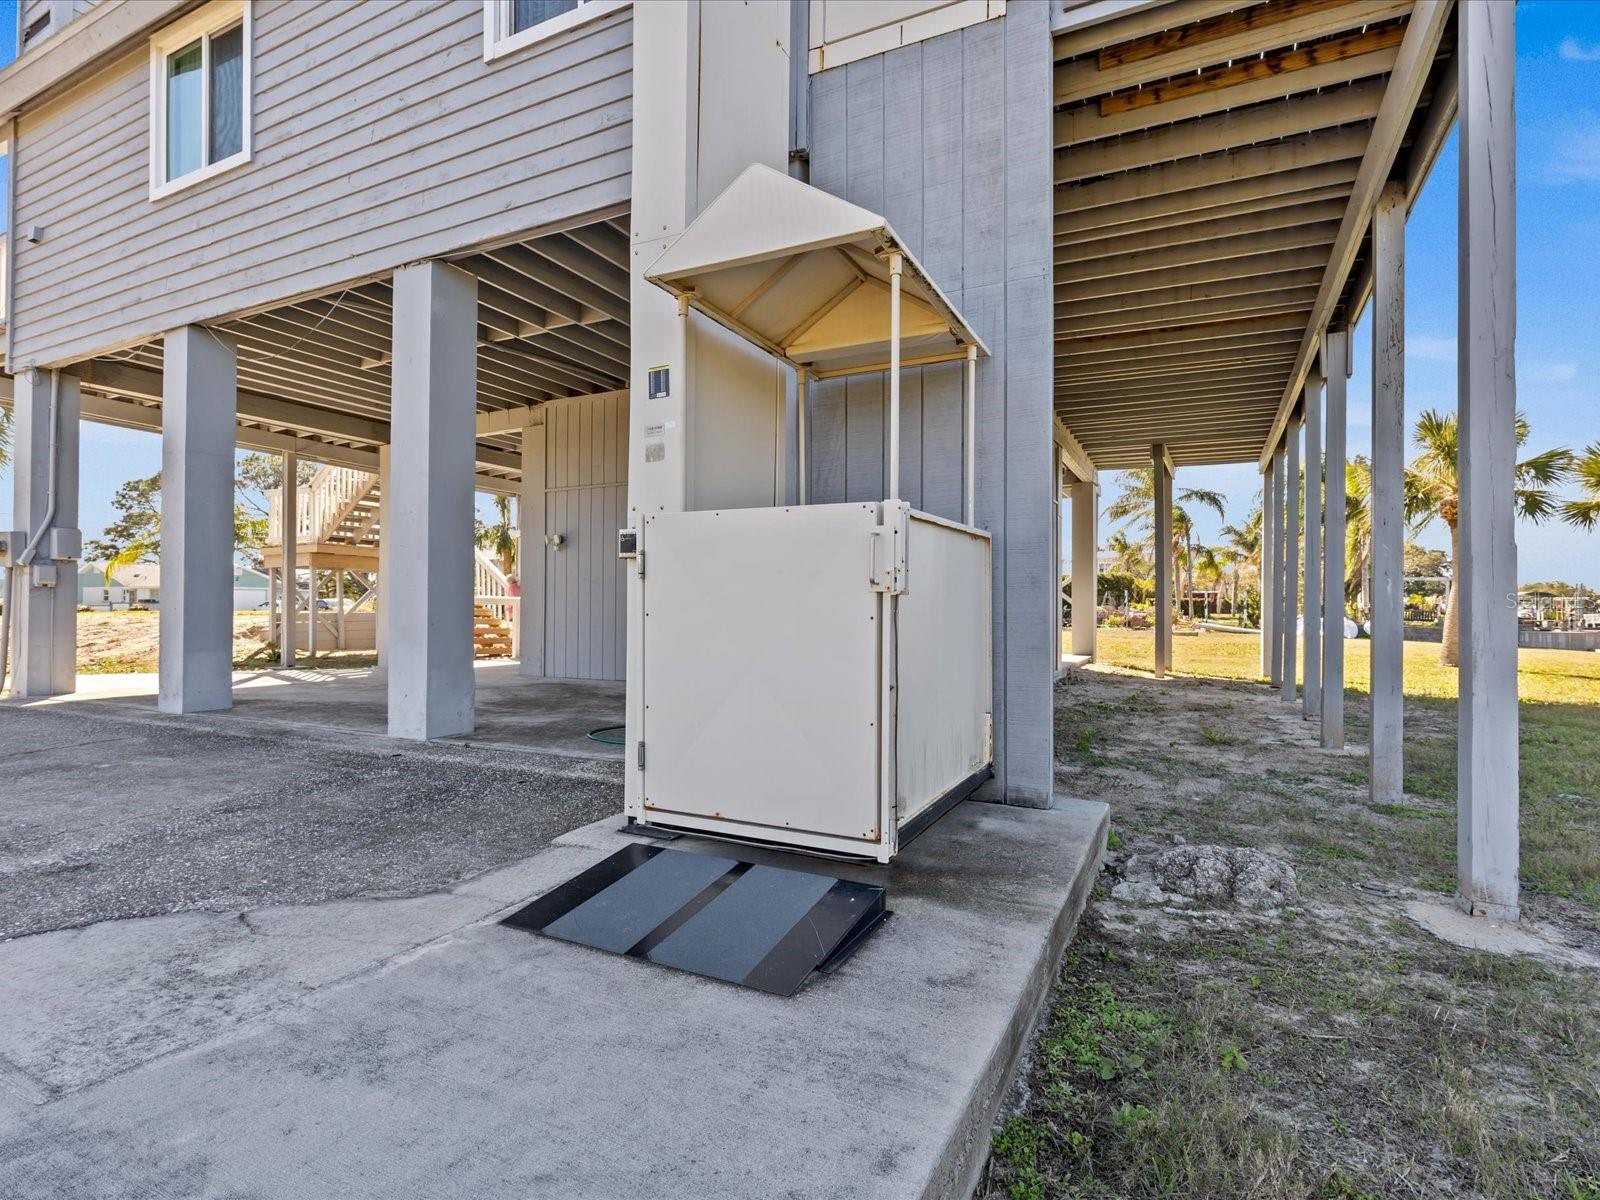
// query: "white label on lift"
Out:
[654,431]
[655,452]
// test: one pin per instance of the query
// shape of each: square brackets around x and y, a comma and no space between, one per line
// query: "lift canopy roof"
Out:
[805,276]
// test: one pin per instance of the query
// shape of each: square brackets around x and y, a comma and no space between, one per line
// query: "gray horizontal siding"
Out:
[950,140]
[380,136]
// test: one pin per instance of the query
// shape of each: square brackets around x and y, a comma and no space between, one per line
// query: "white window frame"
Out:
[499,41]
[212,18]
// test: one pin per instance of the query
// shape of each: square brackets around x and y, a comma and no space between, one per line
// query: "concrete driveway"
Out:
[165,881]
[243,961]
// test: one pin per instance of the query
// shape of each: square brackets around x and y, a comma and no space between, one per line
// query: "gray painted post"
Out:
[1163,551]
[1280,548]
[45,649]
[199,402]
[382,615]
[432,440]
[531,551]
[1487,802]
[1085,544]
[1313,575]
[1337,360]
[1291,568]
[288,541]
[311,613]
[1386,773]
[1269,527]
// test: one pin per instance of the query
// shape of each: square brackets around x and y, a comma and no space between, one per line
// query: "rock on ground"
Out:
[1234,874]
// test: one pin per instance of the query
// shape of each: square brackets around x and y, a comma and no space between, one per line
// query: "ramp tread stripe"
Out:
[625,912]
[737,930]
[846,907]
[565,897]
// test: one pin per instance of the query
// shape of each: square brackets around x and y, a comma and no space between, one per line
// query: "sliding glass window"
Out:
[201,105]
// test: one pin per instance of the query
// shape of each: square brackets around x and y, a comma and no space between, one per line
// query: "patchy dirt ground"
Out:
[1328,1046]
[129,640]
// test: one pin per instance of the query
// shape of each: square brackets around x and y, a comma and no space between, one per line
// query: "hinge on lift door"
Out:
[641,756]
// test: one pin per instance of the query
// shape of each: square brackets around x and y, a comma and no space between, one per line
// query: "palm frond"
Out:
[1546,469]
[1583,513]
[1534,504]
[1203,496]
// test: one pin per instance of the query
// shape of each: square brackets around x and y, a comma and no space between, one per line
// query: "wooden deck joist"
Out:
[1211,162]
[313,372]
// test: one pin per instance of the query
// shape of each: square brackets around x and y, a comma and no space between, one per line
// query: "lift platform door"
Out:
[761,672]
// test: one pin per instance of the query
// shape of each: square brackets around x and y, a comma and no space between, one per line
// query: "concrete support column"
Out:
[1085,545]
[1280,548]
[311,613]
[1313,574]
[1386,771]
[1291,566]
[531,551]
[1269,528]
[1487,802]
[199,412]
[432,447]
[44,647]
[385,457]
[289,543]
[1336,358]
[1163,552]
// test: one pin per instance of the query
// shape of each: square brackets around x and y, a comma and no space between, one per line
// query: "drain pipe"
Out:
[24,561]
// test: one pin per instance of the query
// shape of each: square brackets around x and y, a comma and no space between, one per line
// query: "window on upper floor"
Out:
[509,25]
[200,96]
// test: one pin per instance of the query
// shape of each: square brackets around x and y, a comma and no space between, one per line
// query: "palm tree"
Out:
[1584,512]
[1243,549]
[1136,507]
[1207,567]
[5,436]
[500,537]
[1358,533]
[1433,489]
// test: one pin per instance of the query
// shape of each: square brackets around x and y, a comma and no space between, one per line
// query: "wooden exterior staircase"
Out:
[494,609]
[337,520]
[491,636]
[339,529]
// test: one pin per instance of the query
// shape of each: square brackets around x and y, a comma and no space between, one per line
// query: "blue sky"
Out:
[1558,346]
[1558,241]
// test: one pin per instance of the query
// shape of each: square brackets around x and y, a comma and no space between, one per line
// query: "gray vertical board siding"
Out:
[585,500]
[954,149]
[380,136]
[864,435]
[943,438]
[826,414]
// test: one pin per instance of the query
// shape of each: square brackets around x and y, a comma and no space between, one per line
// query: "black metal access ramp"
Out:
[762,927]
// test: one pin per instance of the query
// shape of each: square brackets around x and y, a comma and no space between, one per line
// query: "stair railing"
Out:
[493,590]
[322,506]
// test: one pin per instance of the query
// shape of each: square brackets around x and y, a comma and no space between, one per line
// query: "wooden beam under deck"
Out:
[1209,156]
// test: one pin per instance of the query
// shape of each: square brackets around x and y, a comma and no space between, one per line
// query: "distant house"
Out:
[140,583]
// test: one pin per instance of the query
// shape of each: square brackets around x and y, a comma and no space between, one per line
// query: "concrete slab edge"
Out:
[966,1148]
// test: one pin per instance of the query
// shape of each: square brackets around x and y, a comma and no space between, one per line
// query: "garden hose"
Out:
[595,735]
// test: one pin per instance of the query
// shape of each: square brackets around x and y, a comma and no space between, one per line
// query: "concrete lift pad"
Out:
[759,926]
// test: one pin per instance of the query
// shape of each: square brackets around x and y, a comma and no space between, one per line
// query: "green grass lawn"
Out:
[1336,1050]
[1560,737]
